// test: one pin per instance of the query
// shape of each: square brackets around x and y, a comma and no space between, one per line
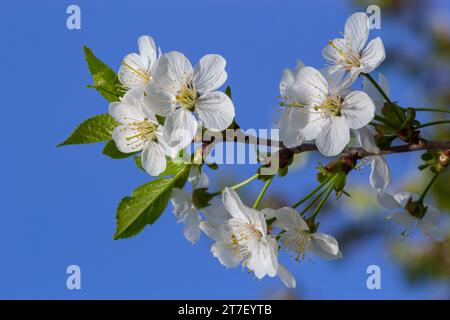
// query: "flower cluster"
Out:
[166,86]
[164,102]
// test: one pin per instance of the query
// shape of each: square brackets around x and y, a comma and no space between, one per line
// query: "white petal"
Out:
[314,127]
[182,203]
[191,229]
[387,201]
[365,139]
[336,76]
[212,230]
[431,230]
[215,110]
[403,198]
[357,30]
[216,213]
[432,215]
[147,50]
[335,52]
[123,136]
[292,120]
[298,125]
[197,179]
[209,73]
[160,102]
[405,220]
[126,113]
[227,258]
[269,256]
[311,87]
[172,71]
[286,276]
[133,71]
[380,176]
[255,264]
[324,254]
[153,158]
[180,128]
[326,242]
[288,218]
[263,260]
[357,109]
[233,204]
[168,151]
[373,55]
[286,83]
[333,138]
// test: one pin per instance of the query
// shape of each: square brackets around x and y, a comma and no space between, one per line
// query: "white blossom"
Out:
[428,224]
[300,240]
[380,175]
[183,207]
[244,239]
[349,56]
[139,130]
[182,93]
[320,109]
[136,69]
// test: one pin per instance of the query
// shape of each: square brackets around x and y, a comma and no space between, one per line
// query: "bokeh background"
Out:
[58,205]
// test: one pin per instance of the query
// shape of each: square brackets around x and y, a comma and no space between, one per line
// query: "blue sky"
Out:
[58,205]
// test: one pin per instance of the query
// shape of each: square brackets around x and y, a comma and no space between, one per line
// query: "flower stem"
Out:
[381,91]
[309,195]
[322,202]
[432,110]
[263,191]
[424,193]
[377,86]
[429,124]
[329,185]
[239,185]
[243,183]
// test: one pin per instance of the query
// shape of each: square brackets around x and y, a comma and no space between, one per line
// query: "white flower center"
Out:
[187,96]
[331,106]
[347,57]
[141,73]
[244,239]
[140,132]
[300,243]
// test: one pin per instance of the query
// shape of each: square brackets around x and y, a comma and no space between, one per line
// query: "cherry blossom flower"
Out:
[135,70]
[300,240]
[380,175]
[320,109]
[349,56]
[139,130]
[427,220]
[182,93]
[244,239]
[185,210]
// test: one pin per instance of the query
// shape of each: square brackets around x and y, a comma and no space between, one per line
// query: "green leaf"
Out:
[392,113]
[172,167]
[96,129]
[228,91]
[147,203]
[105,79]
[111,151]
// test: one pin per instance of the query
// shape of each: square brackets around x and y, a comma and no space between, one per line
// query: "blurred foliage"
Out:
[427,63]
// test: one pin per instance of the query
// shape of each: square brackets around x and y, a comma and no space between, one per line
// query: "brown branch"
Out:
[240,136]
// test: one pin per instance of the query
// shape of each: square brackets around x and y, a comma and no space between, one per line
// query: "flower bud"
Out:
[201,198]
[416,208]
